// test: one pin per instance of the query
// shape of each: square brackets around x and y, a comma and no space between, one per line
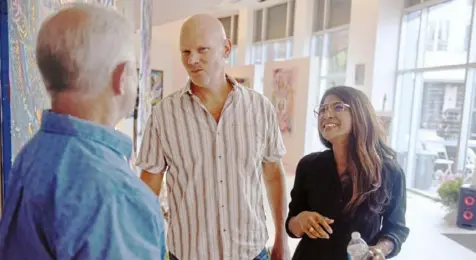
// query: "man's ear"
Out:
[118,78]
[227,48]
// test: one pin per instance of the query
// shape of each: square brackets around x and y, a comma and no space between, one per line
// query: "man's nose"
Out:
[193,58]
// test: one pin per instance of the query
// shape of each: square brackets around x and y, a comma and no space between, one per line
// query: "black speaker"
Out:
[467,207]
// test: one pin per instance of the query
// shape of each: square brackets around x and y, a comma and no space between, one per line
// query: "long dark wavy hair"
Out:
[367,151]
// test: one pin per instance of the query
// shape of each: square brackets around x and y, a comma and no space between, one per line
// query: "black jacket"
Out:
[317,187]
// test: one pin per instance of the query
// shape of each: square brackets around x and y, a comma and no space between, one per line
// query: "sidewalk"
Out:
[426,241]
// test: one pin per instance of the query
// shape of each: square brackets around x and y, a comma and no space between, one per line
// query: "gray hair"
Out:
[80,55]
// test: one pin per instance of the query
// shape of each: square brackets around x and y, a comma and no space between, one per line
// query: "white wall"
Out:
[165,55]
[373,41]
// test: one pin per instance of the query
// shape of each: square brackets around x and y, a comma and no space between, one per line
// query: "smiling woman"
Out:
[356,185]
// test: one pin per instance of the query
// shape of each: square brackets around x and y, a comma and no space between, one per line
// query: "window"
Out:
[275,24]
[330,40]
[435,117]
[230,23]
[410,3]
[273,27]
[258,31]
[339,13]
[409,40]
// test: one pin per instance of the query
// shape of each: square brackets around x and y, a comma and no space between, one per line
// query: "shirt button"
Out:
[219,156]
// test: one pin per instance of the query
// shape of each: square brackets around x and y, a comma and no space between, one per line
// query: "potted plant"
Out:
[449,195]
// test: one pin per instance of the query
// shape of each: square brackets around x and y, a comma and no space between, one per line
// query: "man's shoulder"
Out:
[254,97]
[166,102]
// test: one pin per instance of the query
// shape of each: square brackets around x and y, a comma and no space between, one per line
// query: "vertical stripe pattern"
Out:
[214,178]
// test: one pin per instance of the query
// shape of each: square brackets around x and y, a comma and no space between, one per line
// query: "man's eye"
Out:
[202,50]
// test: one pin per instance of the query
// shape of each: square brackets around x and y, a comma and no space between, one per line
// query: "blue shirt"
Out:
[72,194]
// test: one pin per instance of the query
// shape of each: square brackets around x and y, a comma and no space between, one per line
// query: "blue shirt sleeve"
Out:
[119,227]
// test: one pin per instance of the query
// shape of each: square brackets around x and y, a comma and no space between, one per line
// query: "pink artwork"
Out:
[243,81]
[283,97]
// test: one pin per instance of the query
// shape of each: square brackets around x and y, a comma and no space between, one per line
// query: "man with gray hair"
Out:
[72,193]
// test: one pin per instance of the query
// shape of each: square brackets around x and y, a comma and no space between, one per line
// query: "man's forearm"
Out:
[276,190]
[154,181]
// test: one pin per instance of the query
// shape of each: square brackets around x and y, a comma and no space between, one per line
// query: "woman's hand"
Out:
[376,253]
[314,225]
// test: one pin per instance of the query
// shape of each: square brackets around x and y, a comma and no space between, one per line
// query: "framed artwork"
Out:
[284,81]
[243,81]
[153,95]
[156,86]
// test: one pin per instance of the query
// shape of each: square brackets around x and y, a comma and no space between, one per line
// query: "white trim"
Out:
[466,118]
[332,30]
[288,18]
[396,112]
[467,110]
[421,44]
[273,41]
[341,75]
[423,5]
[472,37]
[264,24]
[232,29]
[438,68]
[325,22]
[414,126]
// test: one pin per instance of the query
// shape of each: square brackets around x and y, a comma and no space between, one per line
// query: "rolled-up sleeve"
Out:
[120,227]
[393,222]
[274,149]
[298,196]
[151,156]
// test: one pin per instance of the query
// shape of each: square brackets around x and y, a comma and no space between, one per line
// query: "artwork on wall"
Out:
[157,86]
[282,97]
[28,97]
[243,81]
[151,96]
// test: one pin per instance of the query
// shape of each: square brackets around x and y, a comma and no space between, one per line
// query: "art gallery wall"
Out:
[286,84]
[243,74]
[165,56]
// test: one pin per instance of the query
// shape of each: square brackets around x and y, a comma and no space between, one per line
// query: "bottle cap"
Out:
[355,235]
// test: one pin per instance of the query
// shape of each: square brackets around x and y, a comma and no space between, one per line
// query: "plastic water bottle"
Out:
[357,248]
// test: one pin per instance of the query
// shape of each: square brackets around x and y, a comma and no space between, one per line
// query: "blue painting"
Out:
[27,94]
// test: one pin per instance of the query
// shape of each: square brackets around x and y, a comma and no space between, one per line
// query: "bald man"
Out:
[215,140]
[72,193]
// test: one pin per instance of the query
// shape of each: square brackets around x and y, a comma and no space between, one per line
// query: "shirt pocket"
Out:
[250,142]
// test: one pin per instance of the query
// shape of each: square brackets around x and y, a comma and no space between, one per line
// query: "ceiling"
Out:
[172,10]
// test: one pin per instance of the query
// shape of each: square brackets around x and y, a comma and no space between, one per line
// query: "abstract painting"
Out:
[157,86]
[27,94]
[151,96]
[283,97]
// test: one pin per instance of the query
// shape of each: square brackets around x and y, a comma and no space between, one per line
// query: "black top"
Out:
[317,187]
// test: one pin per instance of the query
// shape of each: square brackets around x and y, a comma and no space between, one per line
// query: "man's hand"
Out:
[280,250]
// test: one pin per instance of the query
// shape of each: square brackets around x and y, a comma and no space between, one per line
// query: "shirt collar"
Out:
[188,89]
[69,125]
